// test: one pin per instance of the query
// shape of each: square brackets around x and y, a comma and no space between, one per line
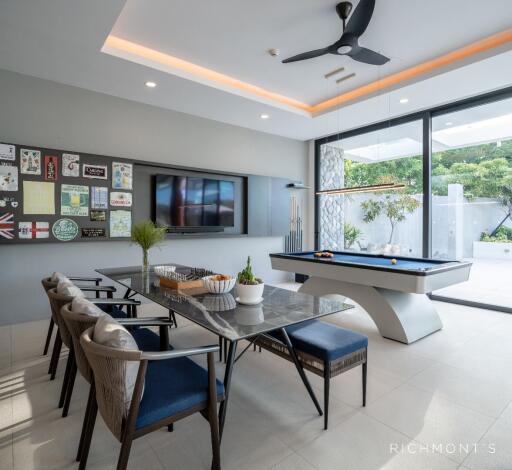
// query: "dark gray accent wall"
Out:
[47,114]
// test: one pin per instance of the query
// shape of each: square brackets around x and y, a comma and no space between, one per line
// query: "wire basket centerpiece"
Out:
[185,279]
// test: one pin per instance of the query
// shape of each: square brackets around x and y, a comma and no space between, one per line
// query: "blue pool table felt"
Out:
[401,263]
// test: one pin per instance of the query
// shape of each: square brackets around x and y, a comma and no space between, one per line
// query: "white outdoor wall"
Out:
[42,113]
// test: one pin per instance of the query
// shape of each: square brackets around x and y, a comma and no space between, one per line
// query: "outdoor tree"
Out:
[395,208]
[350,234]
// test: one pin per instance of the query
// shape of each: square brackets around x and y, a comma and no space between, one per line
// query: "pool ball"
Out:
[393,261]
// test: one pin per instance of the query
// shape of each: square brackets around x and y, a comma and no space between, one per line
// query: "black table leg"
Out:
[164,337]
[127,293]
[227,383]
[300,370]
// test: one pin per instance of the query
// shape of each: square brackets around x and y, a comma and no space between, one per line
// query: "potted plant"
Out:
[248,286]
[147,235]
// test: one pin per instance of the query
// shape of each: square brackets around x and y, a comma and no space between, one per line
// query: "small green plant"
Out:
[246,276]
[350,234]
[147,235]
[502,235]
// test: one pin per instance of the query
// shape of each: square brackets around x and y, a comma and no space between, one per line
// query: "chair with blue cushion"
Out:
[51,282]
[77,323]
[168,387]
[324,349]
[50,285]
[57,301]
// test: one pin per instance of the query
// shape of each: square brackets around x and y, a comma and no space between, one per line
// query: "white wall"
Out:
[42,113]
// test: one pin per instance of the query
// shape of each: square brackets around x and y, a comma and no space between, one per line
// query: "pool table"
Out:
[392,292]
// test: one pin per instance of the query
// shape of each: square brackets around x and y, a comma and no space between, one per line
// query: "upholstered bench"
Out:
[324,349]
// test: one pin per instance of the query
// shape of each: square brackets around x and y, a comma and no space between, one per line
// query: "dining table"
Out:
[226,318]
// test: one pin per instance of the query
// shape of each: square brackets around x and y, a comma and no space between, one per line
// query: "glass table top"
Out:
[220,313]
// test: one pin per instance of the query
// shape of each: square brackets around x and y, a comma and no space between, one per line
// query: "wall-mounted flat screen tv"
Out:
[193,202]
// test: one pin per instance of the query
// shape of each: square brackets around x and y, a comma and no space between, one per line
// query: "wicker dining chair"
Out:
[169,387]
[57,345]
[48,284]
[77,323]
[57,301]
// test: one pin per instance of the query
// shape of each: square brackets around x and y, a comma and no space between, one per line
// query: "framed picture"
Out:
[122,175]
[70,165]
[94,171]
[30,162]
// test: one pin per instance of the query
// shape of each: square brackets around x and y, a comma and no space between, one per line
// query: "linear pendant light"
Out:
[362,189]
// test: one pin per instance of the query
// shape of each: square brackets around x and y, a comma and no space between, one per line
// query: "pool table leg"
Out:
[400,316]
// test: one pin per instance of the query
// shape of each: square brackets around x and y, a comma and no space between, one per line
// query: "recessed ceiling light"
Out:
[151,84]
[449,123]
[404,100]
[264,116]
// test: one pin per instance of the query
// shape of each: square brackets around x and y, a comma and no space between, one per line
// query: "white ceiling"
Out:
[233,36]
[61,40]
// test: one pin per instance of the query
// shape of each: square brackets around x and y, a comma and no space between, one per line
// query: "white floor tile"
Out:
[483,396]
[293,462]
[449,387]
[28,339]
[364,443]
[494,451]
[431,420]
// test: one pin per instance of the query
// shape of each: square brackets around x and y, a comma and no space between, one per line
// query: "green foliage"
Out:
[351,234]
[147,235]
[483,170]
[505,198]
[502,235]
[395,208]
[247,277]
[371,210]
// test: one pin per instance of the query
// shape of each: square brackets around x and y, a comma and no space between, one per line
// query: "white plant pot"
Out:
[249,293]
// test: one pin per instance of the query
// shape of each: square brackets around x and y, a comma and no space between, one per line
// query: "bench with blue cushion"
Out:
[324,349]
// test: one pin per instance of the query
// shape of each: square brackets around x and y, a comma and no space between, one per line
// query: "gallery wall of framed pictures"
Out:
[49,195]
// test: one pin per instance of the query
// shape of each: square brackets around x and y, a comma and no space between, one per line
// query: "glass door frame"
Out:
[426,117]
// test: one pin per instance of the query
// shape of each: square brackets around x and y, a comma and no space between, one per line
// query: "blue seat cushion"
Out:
[146,339]
[325,341]
[112,310]
[172,386]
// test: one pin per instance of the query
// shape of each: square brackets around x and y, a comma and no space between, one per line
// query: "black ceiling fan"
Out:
[348,43]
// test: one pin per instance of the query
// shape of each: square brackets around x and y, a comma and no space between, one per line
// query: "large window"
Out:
[374,221]
[460,209]
[472,198]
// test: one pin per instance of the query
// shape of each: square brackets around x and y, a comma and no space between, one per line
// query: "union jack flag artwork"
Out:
[7,225]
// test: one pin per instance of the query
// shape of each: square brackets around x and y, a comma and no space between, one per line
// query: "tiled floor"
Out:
[442,403]
[488,283]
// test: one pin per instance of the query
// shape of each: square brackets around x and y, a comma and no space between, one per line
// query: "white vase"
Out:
[249,293]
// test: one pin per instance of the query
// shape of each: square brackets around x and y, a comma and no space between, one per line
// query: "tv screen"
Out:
[186,201]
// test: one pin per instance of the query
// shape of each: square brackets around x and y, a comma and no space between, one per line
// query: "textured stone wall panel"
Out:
[331,207]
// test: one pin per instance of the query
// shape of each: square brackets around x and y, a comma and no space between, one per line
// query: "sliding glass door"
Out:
[472,198]
[453,166]
[373,221]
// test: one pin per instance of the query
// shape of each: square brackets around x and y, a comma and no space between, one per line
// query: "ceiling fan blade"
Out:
[307,55]
[367,56]
[360,19]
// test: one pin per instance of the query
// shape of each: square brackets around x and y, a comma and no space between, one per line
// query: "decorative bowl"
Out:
[219,303]
[214,286]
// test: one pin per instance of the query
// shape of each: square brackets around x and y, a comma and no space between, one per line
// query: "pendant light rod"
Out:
[362,189]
